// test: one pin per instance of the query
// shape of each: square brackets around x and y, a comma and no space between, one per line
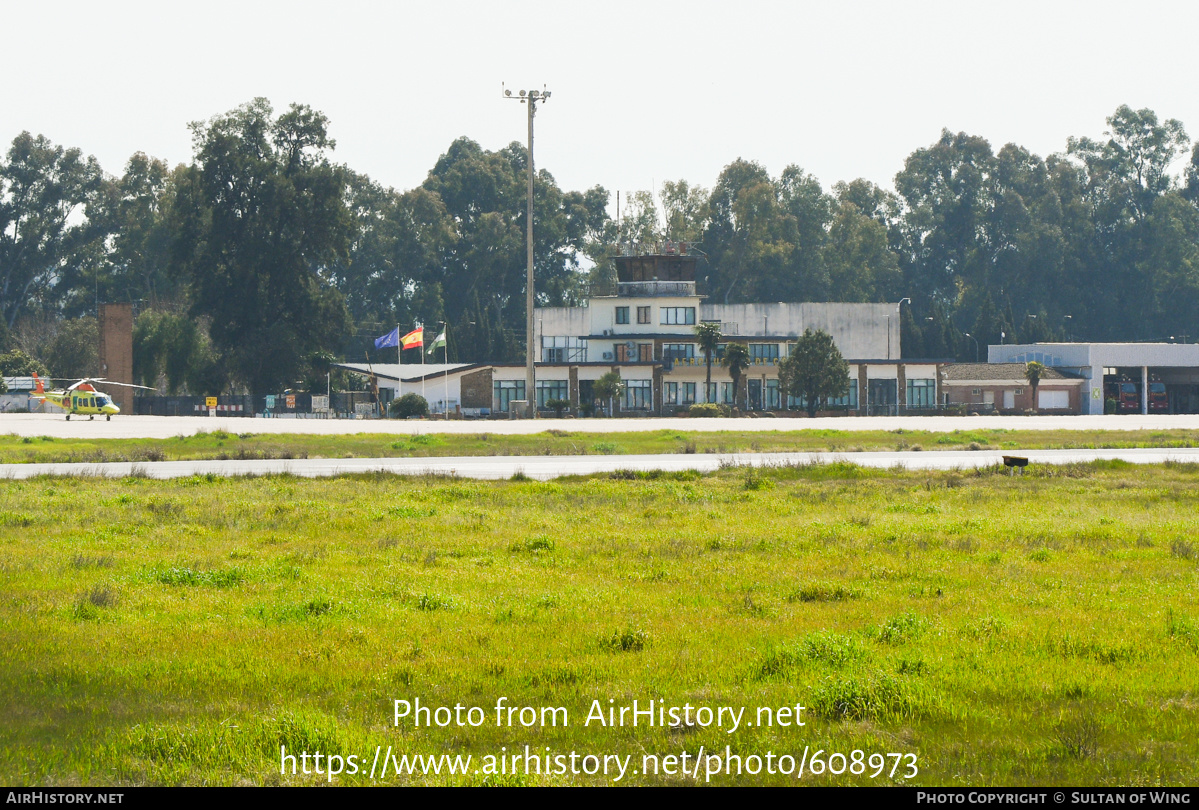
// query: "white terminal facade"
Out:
[644,327]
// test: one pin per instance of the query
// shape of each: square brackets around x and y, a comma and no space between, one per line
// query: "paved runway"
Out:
[166,427]
[546,467]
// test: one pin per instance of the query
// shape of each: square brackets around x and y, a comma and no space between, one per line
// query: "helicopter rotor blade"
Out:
[107,382]
[125,385]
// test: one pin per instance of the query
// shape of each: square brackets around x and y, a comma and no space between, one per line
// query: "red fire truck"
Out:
[1127,395]
[1159,400]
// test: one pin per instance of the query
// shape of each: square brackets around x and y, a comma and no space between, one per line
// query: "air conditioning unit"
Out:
[607,332]
[607,355]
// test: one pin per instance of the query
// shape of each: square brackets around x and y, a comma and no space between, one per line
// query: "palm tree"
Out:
[708,334]
[608,388]
[1033,372]
[736,359]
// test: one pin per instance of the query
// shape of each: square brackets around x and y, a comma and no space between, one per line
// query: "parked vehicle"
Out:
[1127,395]
[1159,399]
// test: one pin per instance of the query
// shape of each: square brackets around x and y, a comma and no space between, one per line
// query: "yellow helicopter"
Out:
[82,398]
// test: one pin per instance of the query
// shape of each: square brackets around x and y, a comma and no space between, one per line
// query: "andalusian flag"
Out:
[438,342]
[414,338]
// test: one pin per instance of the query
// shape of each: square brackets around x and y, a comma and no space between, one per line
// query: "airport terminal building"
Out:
[643,326]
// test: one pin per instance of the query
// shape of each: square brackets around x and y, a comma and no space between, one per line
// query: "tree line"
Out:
[262,259]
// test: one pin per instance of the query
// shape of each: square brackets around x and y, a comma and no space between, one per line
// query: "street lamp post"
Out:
[967,334]
[898,307]
[531,98]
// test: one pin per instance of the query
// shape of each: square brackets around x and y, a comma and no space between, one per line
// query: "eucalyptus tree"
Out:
[1125,176]
[484,266]
[260,219]
[946,190]
[750,236]
[44,189]
[133,262]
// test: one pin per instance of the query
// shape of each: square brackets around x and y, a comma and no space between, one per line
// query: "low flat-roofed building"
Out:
[457,388]
[16,396]
[1004,388]
[1110,367]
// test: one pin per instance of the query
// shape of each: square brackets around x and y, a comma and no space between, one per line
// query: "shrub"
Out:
[705,410]
[557,405]
[627,641]
[903,628]
[829,649]
[408,405]
[89,603]
[821,592]
[1078,738]
[878,698]
[227,578]
[535,545]
[432,601]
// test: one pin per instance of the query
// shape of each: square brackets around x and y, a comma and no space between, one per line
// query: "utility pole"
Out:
[530,98]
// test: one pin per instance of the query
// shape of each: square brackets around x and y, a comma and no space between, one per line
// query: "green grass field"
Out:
[1031,630]
[222,445]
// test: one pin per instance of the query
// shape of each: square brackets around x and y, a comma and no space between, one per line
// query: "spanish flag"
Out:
[414,338]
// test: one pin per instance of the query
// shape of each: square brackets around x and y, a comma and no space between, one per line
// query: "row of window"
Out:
[850,400]
[561,349]
[670,316]
[638,394]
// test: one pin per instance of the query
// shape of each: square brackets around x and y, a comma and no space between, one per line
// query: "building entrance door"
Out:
[882,397]
[755,395]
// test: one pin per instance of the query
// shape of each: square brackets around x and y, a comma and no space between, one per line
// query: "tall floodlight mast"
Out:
[530,98]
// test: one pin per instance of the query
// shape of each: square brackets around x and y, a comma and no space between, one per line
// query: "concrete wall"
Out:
[1101,354]
[116,352]
[476,389]
[859,330]
[570,321]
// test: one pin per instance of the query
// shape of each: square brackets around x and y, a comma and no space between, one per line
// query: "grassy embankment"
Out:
[1031,630]
[222,445]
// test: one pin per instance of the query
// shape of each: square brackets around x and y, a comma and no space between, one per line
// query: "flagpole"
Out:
[422,362]
[400,361]
[445,347]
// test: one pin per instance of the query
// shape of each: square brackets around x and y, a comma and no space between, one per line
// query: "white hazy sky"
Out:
[642,91]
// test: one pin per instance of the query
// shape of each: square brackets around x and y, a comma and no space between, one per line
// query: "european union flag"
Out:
[392,338]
